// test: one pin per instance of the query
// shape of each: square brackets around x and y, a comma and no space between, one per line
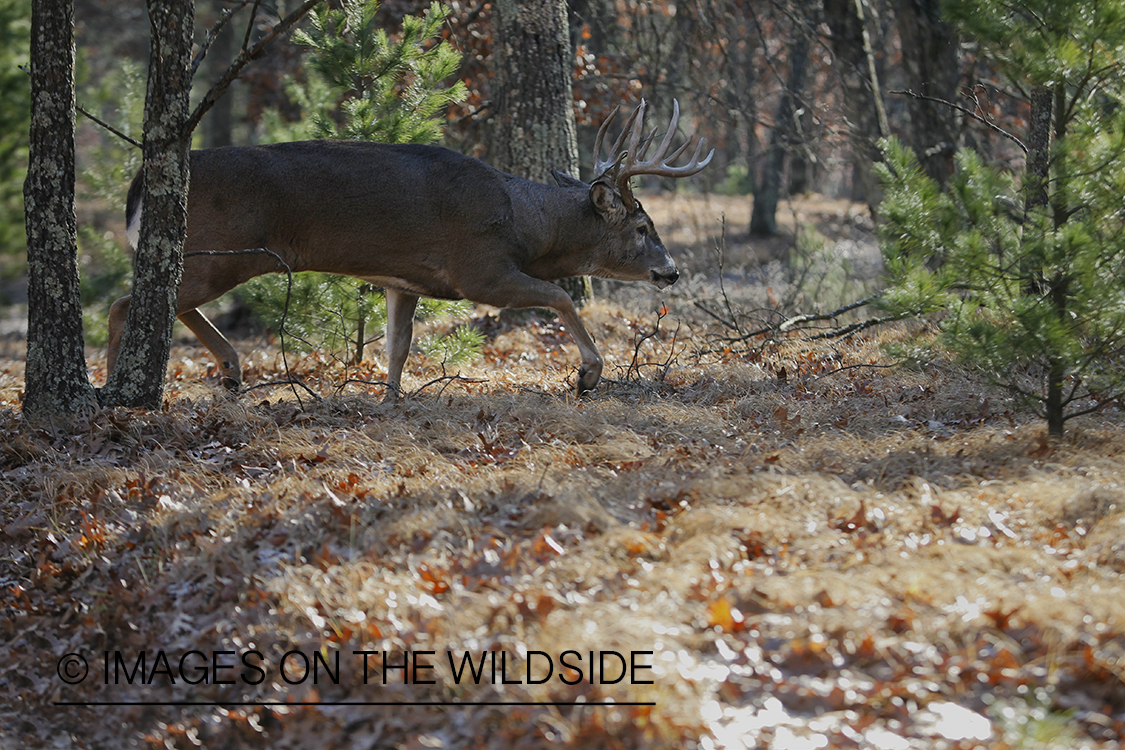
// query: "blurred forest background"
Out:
[792,94]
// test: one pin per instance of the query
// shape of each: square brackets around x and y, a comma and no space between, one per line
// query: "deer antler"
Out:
[602,167]
[631,162]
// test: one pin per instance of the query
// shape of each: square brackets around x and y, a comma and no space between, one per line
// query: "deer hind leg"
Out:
[218,345]
[400,331]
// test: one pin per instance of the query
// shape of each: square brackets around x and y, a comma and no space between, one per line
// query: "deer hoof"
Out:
[231,384]
[587,379]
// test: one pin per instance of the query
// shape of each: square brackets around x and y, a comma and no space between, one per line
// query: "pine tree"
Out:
[1028,267]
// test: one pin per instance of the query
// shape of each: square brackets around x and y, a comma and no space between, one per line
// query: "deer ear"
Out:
[607,202]
[565,180]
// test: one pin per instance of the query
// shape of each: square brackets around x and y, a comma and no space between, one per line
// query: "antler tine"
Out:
[632,126]
[601,166]
[678,152]
[660,164]
[692,167]
[648,139]
[635,130]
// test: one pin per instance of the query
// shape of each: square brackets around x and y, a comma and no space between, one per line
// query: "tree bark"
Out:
[863,103]
[220,122]
[1038,149]
[767,194]
[929,55]
[533,104]
[1036,199]
[138,378]
[55,377]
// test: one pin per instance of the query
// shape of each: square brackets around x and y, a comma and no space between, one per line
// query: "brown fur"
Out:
[416,220]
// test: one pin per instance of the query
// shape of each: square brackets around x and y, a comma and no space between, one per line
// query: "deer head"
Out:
[631,249]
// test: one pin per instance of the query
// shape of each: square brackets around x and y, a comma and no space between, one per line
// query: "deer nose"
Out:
[665,278]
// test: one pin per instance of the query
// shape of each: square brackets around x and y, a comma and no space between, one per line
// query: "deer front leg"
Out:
[224,353]
[521,290]
[400,331]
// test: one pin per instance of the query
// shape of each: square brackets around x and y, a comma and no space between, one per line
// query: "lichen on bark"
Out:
[56,384]
[139,375]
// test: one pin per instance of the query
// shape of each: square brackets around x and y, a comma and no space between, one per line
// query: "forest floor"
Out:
[728,544]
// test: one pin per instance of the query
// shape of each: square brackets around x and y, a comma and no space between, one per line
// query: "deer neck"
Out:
[570,233]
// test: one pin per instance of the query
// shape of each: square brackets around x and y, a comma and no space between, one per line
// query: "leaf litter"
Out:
[883,558]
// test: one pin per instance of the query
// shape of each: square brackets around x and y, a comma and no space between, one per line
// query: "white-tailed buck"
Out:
[417,221]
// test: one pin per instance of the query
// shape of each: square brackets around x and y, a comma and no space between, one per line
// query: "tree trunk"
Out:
[219,124]
[138,378]
[929,55]
[763,219]
[1036,199]
[863,104]
[802,162]
[1038,149]
[55,377]
[533,103]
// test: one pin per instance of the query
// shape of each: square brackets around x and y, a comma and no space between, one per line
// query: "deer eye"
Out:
[642,230]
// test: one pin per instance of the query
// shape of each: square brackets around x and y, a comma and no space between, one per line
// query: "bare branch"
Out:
[964,111]
[240,62]
[840,333]
[131,141]
[792,323]
[213,33]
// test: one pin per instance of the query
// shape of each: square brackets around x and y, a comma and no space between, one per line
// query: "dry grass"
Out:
[875,558]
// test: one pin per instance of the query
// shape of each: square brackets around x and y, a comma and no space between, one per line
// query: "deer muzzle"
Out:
[665,277]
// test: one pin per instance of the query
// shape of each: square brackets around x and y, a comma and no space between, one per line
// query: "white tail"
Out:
[418,221]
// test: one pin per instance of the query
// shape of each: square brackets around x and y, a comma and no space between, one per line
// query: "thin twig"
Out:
[110,128]
[721,250]
[639,342]
[99,121]
[965,111]
[359,381]
[726,323]
[284,312]
[250,24]
[213,34]
[240,62]
[450,378]
[859,367]
[290,382]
